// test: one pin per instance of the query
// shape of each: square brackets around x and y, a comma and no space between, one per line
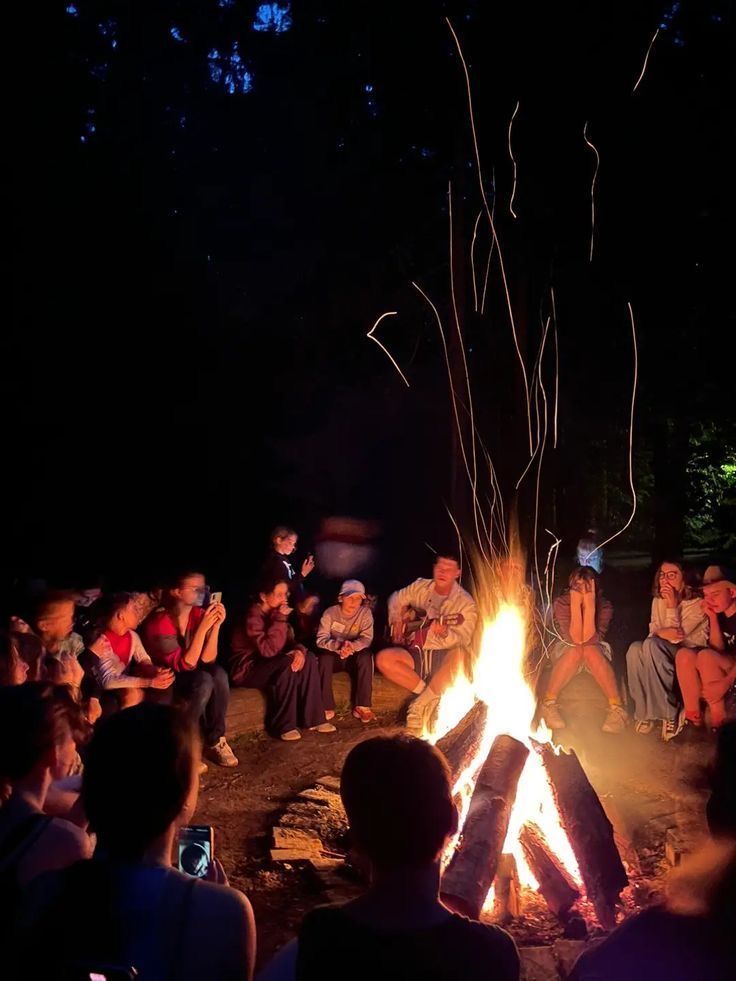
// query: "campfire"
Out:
[527,811]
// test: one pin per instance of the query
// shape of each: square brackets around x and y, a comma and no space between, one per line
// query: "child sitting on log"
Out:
[582,616]
[343,644]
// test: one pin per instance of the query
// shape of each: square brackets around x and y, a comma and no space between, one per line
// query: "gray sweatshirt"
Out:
[335,628]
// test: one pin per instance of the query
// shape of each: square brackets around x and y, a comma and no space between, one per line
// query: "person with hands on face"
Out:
[183,637]
[711,671]
[343,644]
[677,622]
[582,616]
[264,655]
[120,662]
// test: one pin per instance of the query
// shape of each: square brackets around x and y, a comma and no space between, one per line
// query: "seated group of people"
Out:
[688,660]
[280,646]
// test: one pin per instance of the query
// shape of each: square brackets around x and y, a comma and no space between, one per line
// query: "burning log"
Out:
[555,882]
[460,745]
[473,867]
[589,830]
[506,885]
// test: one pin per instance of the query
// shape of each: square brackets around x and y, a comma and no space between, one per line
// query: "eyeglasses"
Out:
[670,575]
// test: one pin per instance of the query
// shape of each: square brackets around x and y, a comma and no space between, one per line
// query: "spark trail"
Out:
[592,189]
[511,154]
[370,334]
[487,209]
[631,438]
[646,59]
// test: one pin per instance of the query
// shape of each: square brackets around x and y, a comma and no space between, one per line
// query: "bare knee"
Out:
[388,657]
[686,658]
[704,657]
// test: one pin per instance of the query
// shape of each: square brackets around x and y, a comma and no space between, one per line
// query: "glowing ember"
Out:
[499,679]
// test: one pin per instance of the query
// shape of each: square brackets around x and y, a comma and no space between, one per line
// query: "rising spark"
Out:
[493,228]
[472,261]
[490,251]
[513,189]
[592,189]
[646,59]
[455,399]
[631,440]
[474,478]
[389,313]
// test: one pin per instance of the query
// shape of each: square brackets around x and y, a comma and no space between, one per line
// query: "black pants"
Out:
[206,692]
[360,668]
[293,698]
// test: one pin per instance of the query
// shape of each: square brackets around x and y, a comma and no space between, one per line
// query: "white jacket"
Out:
[688,617]
[418,594]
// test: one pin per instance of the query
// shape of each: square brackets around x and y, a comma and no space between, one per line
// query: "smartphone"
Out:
[196,849]
[215,598]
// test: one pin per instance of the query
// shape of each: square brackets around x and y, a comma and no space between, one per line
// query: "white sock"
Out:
[419,688]
[428,695]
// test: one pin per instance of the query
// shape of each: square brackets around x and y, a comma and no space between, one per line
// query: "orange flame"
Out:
[499,678]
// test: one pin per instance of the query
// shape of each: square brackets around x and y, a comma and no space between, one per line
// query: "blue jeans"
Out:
[206,692]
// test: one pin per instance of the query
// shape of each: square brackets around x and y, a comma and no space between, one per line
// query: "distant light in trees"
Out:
[175,32]
[273,17]
[72,10]
[229,71]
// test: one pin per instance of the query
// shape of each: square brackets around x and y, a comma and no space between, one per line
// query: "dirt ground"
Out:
[645,786]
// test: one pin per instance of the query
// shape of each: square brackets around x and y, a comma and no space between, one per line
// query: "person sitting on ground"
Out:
[265,656]
[183,636]
[712,670]
[140,787]
[37,746]
[343,644]
[689,937]
[432,623]
[677,621]
[398,798]
[581,617]
[278,566]
[119,660]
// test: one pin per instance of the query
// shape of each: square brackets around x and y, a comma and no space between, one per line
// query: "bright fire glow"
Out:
[499,679]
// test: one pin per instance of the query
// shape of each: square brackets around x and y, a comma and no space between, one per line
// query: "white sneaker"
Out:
[673,727]
[644,726]
[616,720]
[419,713]
[290,736]
[552,717]
[325,727]
[221,753]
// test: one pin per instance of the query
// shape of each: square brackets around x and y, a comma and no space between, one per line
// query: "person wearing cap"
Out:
[343,644]
[712,670]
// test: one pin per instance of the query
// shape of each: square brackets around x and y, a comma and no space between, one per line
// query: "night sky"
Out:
[213,202]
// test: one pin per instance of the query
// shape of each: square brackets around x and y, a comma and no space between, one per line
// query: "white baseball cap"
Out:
[352,587]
